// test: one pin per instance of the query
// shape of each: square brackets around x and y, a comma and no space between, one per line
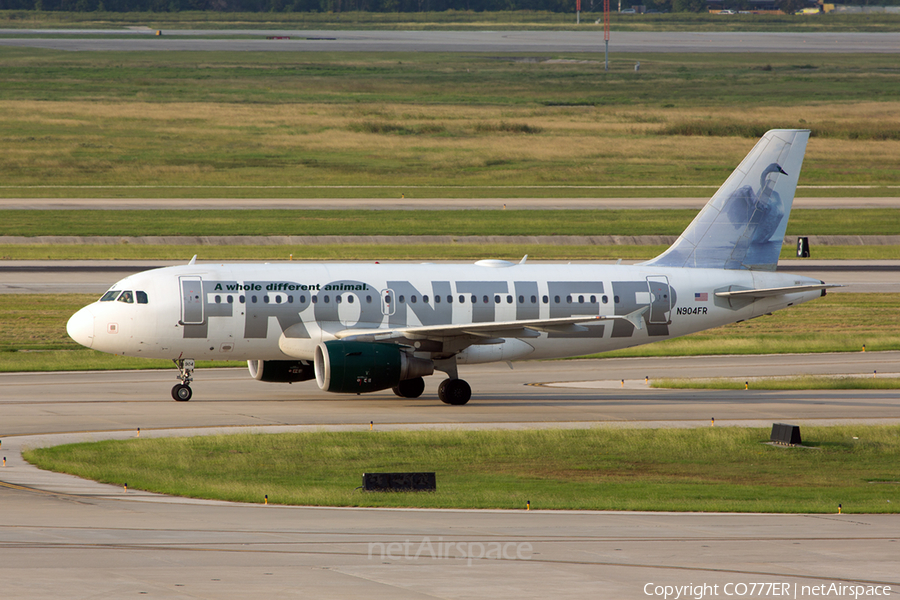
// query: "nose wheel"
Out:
[182,391]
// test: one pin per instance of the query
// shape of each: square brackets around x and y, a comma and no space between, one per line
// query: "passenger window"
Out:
[338,299]
[496,300]
[110,296]
[253,299]
[546,299]
[556,299]
[265,299]
[580,299]
[350,298]
[242,299]
[230,299]
[450,299]
[425,299]
[141,297]
[315,299]
[534,299]
[290,299]
[401,299]
[521,299]
[277,299]
[437,299]
[368,299]
[593,299]
[127,297]
[486,299]
[412,298]
[509,299]
[327,298]
[605,299]
[218,299]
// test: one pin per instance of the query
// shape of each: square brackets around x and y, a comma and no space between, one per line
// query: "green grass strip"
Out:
[271,222]
[708,469]
[383,252]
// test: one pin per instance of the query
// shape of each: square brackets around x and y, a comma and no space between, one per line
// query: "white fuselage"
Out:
[283,311]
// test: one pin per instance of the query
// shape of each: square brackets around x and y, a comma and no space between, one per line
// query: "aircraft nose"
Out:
[81,327]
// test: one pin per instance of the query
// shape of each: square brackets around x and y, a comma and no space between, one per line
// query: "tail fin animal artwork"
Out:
[743,225]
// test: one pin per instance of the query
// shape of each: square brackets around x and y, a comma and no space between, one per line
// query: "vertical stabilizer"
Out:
[743,225]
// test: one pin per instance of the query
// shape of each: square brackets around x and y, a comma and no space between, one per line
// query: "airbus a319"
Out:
[358,328]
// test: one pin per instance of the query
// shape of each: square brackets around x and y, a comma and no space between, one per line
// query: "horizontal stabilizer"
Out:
[779,291]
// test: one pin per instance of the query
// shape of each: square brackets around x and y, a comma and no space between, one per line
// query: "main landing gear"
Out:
[182,391]
[454,391]
[410,388]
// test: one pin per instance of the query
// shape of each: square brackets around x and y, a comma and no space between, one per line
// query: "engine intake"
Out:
[360,367]
[281,371]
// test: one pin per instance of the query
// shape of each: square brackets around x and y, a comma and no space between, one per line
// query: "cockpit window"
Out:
[110,296]
[141,297]
[127,297]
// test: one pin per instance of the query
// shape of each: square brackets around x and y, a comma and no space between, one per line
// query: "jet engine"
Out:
[281,371]
[359,367]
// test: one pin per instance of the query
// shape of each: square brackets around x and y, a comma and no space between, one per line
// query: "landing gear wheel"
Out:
[410,388]
[182,392]
[454,391]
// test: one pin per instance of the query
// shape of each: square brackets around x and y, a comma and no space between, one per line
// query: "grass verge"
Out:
[709,469]
[273,222]
[383,252]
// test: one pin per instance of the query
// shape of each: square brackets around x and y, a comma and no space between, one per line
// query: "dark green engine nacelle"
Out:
[360,367]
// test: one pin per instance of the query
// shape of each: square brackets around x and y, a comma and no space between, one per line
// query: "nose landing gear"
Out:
[182,391]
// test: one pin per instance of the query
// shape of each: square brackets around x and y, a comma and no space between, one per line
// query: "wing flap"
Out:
[527,328]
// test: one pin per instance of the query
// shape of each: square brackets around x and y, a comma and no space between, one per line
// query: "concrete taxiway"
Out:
[62,537]
[532,42]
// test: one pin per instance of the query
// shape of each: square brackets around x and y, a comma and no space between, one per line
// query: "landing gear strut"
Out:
[182,391]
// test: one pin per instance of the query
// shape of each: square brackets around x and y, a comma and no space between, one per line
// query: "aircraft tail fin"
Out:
[743,224]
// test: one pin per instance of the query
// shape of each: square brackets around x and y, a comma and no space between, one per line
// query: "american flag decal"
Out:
[698,297]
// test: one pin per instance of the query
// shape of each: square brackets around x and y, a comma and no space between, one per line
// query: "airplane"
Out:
[359,328]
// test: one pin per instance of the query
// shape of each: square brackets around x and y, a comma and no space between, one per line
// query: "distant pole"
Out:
[606,30]
[578,12]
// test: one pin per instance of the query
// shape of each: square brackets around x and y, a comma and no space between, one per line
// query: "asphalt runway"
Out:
[535,42]
[62,537]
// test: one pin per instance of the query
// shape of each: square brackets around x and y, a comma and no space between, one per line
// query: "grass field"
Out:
[709,469]
[93,124]
[33,335]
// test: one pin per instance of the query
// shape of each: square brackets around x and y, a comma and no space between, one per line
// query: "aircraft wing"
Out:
[778,291]
[526,328]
